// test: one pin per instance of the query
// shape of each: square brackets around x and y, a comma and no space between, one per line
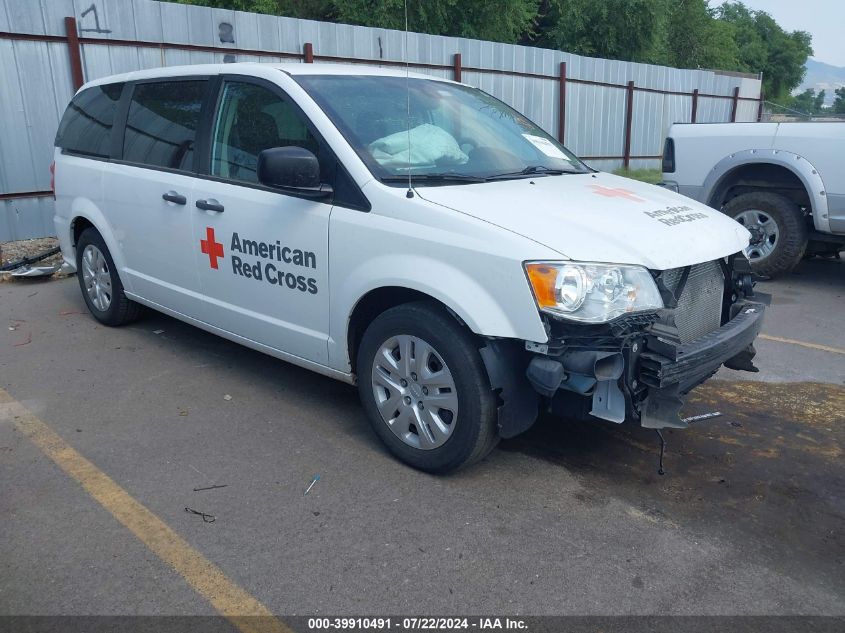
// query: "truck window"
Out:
[86,126]
[251,119]
[162,124]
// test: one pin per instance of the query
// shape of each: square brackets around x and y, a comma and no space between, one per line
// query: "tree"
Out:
[763,46]
[632,30]
[308,9]
[696,40]
[681,33]
[803,102]
[818,102]
[839,102]
[496,20]
[808,102]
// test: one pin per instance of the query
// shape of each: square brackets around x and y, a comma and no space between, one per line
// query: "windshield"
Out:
[455,132]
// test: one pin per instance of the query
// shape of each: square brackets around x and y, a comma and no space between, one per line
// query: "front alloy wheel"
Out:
[425,388]
[414,391]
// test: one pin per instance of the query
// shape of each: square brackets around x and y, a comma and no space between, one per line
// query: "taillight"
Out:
[53,178]
[669,156]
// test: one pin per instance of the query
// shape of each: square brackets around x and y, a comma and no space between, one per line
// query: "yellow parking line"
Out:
[241,609]
[792,341]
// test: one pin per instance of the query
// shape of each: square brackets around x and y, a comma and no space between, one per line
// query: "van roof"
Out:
[246,68]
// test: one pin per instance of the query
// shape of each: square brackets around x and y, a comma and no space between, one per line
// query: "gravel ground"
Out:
[15,251]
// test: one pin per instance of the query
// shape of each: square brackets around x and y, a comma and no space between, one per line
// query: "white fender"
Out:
[798,165]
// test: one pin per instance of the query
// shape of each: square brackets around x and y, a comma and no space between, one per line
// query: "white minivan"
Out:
[410,234]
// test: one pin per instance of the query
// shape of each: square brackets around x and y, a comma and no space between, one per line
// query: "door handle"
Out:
[210,205]
[172,196]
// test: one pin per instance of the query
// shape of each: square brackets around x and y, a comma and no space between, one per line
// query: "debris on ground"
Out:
[227,397]
[214,487]
[21,249]
[703,416]
[158,331]
[206,518]
[313,481]
[26,270]
[26,253]
[26,342]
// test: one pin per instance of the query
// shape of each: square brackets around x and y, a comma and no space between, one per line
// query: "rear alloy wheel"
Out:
[96,278]
[99,282]
[778,231]
[425,389]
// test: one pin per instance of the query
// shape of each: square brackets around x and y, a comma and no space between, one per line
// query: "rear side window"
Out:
[162,124]
[87,123]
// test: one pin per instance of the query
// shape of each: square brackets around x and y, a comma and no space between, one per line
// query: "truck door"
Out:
[261,255]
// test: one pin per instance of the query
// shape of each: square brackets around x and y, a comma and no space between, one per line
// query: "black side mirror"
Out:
[291,168]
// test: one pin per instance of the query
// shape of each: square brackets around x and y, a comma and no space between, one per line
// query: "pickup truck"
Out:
[784,182]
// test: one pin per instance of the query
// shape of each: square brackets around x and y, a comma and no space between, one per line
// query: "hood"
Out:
[600,218]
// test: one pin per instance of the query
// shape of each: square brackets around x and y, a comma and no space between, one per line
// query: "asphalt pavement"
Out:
[570,518]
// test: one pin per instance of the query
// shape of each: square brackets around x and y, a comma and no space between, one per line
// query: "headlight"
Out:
[592,293]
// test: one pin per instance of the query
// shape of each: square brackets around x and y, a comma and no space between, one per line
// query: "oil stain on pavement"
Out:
[770,467]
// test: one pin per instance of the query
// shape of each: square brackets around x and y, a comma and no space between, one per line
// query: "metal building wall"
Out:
[36,84]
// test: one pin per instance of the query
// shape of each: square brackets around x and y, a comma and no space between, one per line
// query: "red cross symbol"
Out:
[610,192]
[211,248]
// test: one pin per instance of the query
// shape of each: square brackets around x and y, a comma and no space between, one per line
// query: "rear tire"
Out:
[99,282]
[779,231]
[418,347]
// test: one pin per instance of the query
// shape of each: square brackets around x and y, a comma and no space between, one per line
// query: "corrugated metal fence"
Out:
[609,112]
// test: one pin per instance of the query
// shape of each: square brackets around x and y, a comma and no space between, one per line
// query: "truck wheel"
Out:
[425,390]
[101,287]
[778,231]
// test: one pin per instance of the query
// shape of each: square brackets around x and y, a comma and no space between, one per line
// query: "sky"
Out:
[823,19]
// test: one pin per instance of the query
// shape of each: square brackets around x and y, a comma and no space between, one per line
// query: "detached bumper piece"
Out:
[671,368]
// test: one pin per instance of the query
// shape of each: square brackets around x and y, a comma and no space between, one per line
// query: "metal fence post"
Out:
[694,106]
[74,52]
[629,118]
[734,104]
[561,116]
[308,50]
[456,67]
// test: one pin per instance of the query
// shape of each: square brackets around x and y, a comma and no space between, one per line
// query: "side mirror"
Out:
[291,168]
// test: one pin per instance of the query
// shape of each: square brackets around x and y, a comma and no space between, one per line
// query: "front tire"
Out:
[778,231]
[99,282]
[425,390]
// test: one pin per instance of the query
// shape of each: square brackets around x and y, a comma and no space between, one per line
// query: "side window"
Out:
[87,123]
[251,119]
[162,124]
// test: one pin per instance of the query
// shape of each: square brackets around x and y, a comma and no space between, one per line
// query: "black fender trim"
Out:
[506,361]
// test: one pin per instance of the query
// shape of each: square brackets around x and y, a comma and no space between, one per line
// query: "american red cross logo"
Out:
[211,248]
[611,192]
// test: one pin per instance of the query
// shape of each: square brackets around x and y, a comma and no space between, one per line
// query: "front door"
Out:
[262,255]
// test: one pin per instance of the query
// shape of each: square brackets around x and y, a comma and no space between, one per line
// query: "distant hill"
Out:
[821,76]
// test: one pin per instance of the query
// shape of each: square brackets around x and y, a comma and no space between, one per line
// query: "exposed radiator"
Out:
[699,308]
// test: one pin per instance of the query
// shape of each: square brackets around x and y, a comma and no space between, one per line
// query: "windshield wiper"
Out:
[445,177]
[534,170]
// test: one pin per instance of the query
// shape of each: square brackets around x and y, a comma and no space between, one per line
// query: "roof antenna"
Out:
[410,192]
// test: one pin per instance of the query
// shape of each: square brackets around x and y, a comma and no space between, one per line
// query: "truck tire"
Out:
[778,231]
[425,390]
[99,282]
